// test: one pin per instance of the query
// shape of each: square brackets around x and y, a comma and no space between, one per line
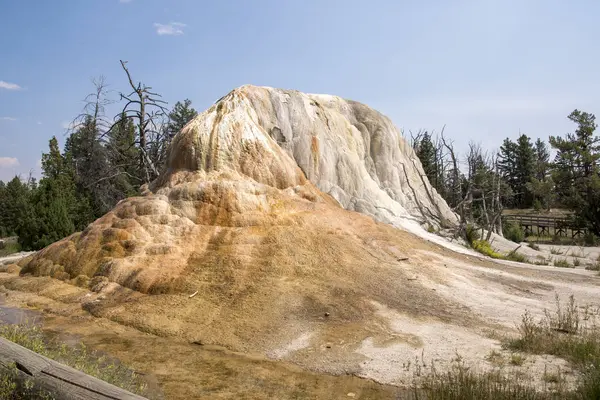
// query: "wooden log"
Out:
[49,376]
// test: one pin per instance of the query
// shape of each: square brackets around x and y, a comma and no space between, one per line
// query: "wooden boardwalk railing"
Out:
[546,226]
[49,376]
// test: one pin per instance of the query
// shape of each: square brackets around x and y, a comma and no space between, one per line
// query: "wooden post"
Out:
[49,376]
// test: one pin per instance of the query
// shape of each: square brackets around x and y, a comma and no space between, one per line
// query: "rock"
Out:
[351,394]
[348,150]
[255,210]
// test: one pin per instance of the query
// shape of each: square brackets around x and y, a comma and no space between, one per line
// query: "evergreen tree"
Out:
[576,170]
[53,207]
[517,165]
[180,115]
[88,161]
[542,162]
[541,185]
[49,220]
[525,163]
[3,215]
[425,150]
[123,156]
[507,166]
[14,206]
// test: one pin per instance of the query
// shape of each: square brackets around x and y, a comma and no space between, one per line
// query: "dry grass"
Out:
[567,334]
[562,263]
[534,246]
[517,359]
[461,383]
[560,333]
[91,363]
[10,248]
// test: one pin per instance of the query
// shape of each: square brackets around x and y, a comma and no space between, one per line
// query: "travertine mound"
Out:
[348,150]
[254,215]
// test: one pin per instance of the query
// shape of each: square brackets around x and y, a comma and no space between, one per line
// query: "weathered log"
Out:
[44,375]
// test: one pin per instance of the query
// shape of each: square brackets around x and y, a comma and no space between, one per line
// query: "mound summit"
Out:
[278,208]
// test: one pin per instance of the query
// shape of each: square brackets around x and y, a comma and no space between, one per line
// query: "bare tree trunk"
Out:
[146,120]
[456,185]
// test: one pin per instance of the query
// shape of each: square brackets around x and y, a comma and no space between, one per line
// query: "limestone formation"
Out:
[348,150]
[250,240]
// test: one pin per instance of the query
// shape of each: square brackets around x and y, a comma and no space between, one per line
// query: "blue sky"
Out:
[485,68]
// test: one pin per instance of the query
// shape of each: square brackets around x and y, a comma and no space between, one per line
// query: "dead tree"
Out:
[415,140]
[456,185]
[148,110]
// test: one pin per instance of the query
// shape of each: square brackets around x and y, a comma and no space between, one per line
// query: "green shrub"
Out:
[485,248]
[593,267]
[562,264]
[471,234]
[10,248]
[514,256]
[590,239]
[514,232]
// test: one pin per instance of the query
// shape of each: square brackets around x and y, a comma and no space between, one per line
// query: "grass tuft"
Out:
[461,383]
[10,248]
[79,357]
[534,246]
[562,264]
[517,359]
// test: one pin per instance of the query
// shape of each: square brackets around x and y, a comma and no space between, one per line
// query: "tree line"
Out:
[480,184]
[104,160]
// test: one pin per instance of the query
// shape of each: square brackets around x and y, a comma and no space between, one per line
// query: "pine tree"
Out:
[14,206]
[49,220]
[123,156]
[542,162]
[525,171]
[507,165]
[52,210]
[89,164]
[180,115]
[3,215]
[576,170]
[425,150]
[541,185]
[517,163]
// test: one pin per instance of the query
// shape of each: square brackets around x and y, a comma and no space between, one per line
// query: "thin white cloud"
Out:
[39,122]
[125,1]
[172,28]
[8,162]
[9,86]
[8,119]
